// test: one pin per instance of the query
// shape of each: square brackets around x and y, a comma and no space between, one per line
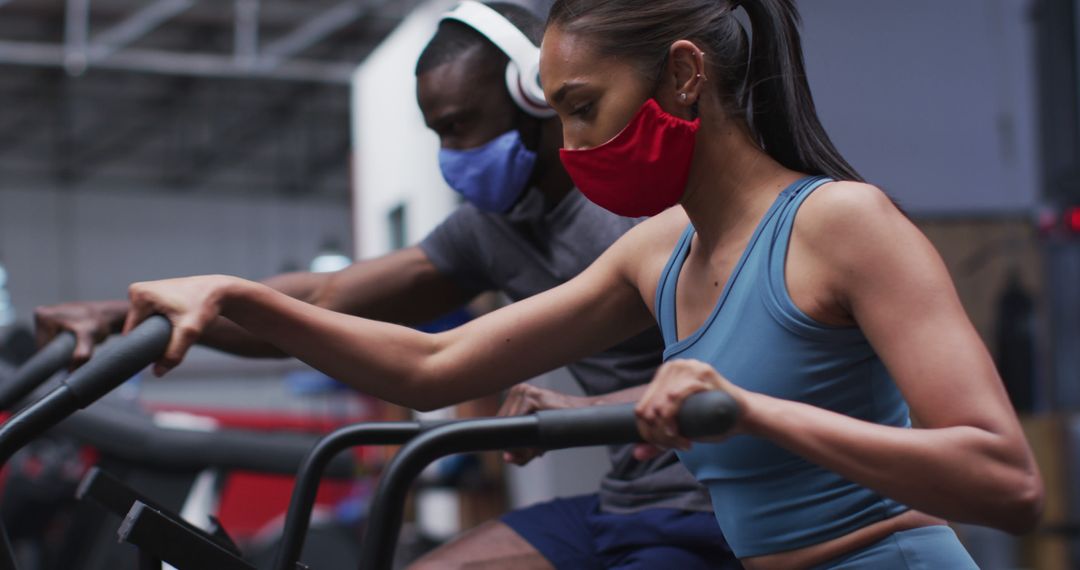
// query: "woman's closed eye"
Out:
[582,110]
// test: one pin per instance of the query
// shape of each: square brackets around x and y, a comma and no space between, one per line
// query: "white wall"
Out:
[395,157]
[89,244]
[934,101]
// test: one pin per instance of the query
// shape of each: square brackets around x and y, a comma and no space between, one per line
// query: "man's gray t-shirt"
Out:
[534,248]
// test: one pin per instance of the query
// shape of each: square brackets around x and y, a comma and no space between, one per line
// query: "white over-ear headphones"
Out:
[523,71]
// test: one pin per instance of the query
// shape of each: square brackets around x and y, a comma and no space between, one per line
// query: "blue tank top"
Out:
[767,499]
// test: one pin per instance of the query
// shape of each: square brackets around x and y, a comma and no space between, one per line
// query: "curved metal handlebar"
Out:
[132,436]
[702,415]
[52,358]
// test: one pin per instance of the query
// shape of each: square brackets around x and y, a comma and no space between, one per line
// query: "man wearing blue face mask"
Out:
[521,230]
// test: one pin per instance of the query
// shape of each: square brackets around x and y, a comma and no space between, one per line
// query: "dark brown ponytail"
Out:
[783,112]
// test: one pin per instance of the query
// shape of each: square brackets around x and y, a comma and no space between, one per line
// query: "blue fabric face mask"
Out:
[493,176]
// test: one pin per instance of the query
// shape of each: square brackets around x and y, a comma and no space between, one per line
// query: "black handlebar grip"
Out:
[582,427]
[118,362]
[707,414]
[52,358]
[703,414]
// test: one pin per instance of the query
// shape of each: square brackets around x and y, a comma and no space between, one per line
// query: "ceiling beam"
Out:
[313,31]
[246,32]
[76,34]
[175,63]
[142,22]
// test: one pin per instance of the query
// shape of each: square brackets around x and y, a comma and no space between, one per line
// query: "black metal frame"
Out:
[306,487]
[705,414]
[387,508]
[117,498]
[166,537]
[163,538]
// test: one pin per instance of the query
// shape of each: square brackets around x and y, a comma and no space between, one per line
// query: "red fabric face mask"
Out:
[643,170]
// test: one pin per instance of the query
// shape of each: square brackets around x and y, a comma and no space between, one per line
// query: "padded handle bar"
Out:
[52,358]
[704,414]
[132,436]
[112,367]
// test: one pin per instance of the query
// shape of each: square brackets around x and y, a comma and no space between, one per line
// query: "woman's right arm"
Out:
[595,310]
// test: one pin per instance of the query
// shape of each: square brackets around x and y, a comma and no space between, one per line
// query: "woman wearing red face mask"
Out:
[775,274]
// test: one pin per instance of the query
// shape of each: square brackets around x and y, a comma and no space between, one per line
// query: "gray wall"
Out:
[91,244]
[933,101]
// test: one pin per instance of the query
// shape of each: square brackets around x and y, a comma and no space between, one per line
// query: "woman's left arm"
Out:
[968,459]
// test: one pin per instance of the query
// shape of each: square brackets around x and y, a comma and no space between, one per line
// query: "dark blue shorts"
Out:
[574,534]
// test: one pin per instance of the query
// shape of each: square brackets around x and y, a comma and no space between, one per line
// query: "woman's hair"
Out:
[763,80]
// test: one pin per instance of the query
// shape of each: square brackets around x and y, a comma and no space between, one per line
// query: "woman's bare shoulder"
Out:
[854,206]
[858,234]
[644,250]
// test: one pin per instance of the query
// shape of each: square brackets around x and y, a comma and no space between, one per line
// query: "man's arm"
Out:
[402,287]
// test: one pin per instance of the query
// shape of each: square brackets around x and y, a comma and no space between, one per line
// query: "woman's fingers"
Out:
[142,307]
[183,337]
[144,304]
[190,304]
[658,430]
[663,433]
[658,409]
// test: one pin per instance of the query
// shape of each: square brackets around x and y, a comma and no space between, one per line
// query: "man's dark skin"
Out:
[466,103]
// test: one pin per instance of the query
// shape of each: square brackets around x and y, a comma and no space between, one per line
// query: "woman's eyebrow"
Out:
[566,88]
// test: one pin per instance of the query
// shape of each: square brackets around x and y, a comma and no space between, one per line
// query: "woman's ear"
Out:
[683,79]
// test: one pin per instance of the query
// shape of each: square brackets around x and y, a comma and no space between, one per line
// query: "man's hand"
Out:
[91,322]
[525,399]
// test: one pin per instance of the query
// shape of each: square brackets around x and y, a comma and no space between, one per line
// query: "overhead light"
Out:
[7,312]
[330,258]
